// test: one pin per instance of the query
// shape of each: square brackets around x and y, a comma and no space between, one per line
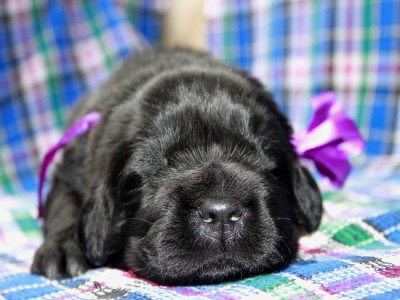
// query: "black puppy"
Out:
[190,177]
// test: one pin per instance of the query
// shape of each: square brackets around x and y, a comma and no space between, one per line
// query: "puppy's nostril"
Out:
[208,220]
[207,217]
[236,216]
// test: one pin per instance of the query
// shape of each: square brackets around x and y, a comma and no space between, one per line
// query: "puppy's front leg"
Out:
[60,255]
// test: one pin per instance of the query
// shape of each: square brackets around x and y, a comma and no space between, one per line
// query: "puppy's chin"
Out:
[207,265]
[215,270]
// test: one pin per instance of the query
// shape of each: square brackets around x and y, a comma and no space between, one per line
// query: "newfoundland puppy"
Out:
[189,178]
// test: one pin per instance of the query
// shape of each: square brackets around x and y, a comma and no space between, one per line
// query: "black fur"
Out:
[178,128]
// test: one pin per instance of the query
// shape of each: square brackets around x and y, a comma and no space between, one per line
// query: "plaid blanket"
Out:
[348,257]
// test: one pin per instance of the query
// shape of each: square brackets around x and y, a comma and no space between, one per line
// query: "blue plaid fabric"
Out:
[146,16]
[300,48]
[51,53]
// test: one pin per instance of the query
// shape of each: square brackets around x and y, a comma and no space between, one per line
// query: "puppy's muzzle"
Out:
[221,217]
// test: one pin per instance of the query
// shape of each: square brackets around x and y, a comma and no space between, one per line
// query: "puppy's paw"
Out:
[58,258]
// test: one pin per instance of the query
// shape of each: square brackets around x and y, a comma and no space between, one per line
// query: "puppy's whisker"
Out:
[139,240]
[283,219]
[160,266]
[140,219]
[147,235]
[282,239]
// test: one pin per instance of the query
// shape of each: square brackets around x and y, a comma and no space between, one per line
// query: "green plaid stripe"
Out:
[366,52]
[97,34]
[4,179]
[27,224]
[52,83]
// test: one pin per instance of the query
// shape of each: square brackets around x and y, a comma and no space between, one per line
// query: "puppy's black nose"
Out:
[220,216]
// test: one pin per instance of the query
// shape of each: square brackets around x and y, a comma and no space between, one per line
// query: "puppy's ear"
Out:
[95,226]
[96,222]
[308,198]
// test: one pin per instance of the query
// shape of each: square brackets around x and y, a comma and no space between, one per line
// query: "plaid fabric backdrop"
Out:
[51,52]
[299,48]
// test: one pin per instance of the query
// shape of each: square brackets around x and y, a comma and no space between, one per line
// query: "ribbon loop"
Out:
[330,139]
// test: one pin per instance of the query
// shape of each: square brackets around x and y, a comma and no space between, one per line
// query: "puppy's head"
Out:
[205,204]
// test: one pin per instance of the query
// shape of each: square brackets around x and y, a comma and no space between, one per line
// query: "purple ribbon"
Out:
[330,139]
[80,127]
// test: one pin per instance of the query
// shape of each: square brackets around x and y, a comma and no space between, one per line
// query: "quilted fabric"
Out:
[347,258]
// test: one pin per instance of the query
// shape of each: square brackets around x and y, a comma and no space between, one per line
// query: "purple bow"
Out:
[330,139]
[86,123]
